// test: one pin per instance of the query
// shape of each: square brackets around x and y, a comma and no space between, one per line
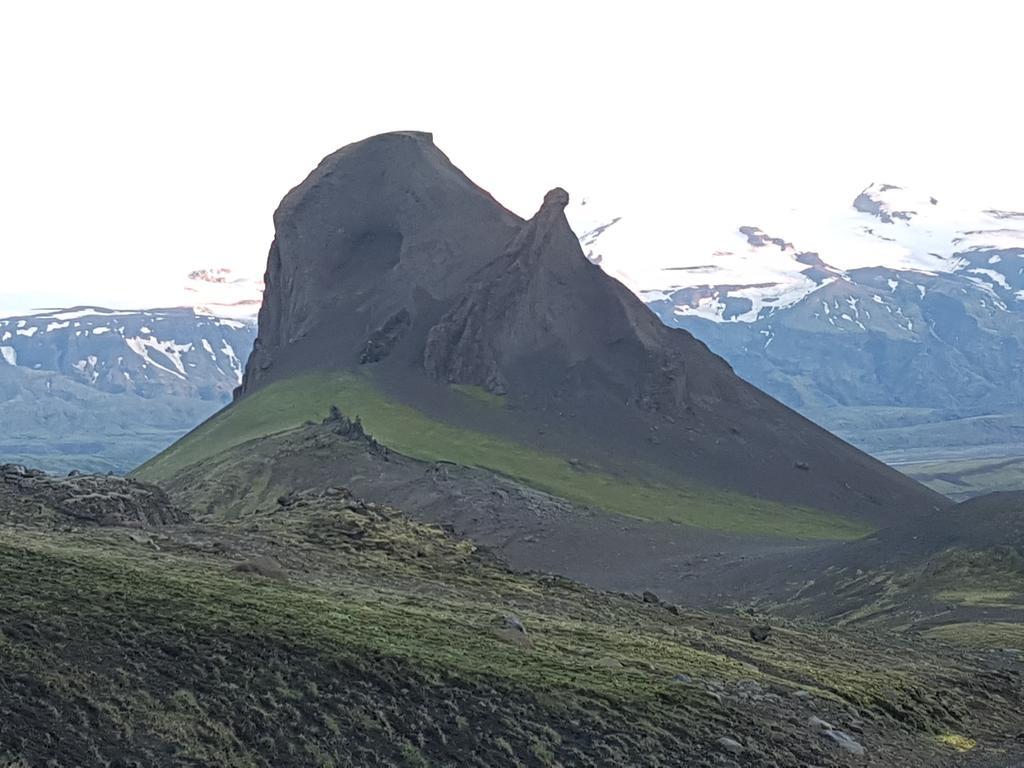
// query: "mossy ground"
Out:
[288,404]
[994,634]
[958,587]
[385,645]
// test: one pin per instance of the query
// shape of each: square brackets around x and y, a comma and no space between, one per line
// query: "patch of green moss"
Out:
[983,598]
[957,742]
[996,634]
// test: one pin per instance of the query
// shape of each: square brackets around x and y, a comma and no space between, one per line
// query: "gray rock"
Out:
[731,746]
[844,741]
[513,622]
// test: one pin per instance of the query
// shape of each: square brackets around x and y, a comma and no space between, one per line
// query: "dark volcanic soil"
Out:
[33,498]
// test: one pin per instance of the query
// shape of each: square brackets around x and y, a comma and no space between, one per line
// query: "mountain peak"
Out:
[556,198]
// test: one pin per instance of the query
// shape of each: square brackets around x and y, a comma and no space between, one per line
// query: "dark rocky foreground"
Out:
[317,629]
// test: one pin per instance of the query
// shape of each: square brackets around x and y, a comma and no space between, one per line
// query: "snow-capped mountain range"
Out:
[895,310]
[195,350]
[145,352]
[761,268]
[104,389]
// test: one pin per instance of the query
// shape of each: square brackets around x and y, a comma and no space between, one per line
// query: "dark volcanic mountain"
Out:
[387,260]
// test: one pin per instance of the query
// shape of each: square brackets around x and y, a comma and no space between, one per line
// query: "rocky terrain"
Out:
[964,569]
[317,628]
[34,500]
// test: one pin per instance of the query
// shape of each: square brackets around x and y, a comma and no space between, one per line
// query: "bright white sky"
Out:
[139,141]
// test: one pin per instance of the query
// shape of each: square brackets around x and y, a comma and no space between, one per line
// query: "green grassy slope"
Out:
[382,642]
[288,404]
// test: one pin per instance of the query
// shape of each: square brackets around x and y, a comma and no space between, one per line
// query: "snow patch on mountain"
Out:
[144,346]
[753,271]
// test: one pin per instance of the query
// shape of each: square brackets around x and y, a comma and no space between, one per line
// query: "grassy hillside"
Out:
[288,404]
[320,631]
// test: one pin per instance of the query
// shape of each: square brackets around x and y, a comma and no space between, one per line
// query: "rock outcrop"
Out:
[30,495]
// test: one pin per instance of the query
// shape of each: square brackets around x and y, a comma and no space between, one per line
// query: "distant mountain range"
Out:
[102,389]
[897,322]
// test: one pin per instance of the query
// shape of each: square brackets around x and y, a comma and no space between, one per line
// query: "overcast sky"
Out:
[139,141]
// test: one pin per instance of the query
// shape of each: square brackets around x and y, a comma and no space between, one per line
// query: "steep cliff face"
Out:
[387,258]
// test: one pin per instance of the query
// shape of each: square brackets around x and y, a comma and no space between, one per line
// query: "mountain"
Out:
[897,322]
[397,286]
[101,389]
